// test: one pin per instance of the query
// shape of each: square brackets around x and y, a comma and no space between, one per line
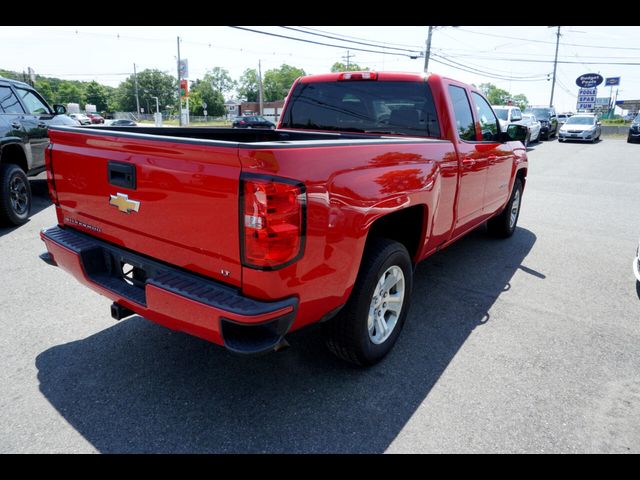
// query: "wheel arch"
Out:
[13,152]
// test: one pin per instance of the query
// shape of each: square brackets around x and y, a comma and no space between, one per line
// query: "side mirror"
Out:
[598,123]
[515,132]
[59,109]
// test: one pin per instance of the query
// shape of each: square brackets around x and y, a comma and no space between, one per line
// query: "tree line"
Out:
[211,90]
[216,85]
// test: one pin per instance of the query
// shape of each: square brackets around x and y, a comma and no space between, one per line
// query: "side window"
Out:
[9,102]
[462,112]
[516,115]
[488,122]
[33,103]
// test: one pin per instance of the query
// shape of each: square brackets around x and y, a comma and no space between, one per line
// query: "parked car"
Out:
[583,127]
[95,118]
[122,122]
[80,117]
[507,115]
[562,118]
[634,130]
[24,121]
[533,125]
[255,236]
[252,121]
[547,118]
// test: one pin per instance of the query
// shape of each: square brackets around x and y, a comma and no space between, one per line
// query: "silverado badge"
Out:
[123,203]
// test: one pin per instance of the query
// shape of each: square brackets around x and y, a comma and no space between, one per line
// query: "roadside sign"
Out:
[587,98]
[183,67]
[612,81]
[602,101]
[589,80]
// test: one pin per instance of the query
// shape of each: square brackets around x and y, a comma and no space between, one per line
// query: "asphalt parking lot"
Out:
[522,345]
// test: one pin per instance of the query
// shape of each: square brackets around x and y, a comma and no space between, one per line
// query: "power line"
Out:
[547,42]
[414,51]
[366,39]
[444,61]
[321,43]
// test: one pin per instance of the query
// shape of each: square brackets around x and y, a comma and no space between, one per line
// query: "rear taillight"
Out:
[51,184]
[272,221]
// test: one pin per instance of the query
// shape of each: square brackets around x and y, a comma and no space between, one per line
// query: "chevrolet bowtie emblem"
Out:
[123,203]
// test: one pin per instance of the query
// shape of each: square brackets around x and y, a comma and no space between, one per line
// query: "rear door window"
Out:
[403,108]
[462,111]
[9,102]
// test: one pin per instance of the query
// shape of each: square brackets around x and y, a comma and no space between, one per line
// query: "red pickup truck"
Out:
[241,236]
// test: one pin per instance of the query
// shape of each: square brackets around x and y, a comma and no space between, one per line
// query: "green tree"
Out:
[278,81]
[96,94]
[151,83]
[353,67]
[521,101]
[201,92]
[70,92]
[498,96]
[248,85]
[221,80]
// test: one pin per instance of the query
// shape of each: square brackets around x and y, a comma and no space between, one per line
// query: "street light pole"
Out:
[157,105]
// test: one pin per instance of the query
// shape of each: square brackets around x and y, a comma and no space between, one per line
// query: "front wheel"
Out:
[504,224]
[368,326]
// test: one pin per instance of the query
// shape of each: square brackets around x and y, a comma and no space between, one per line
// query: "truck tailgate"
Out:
[187,194]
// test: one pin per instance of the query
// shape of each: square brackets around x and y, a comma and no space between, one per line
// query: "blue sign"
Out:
[589,80]
[612,82]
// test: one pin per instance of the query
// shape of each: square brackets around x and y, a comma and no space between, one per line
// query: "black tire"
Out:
[15,195]
[347,334]
[501,225]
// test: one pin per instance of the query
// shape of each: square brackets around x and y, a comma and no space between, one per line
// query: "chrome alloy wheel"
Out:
[18,196]
[386,304]
[515,206]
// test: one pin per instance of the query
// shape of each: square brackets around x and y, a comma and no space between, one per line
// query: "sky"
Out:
[521,57]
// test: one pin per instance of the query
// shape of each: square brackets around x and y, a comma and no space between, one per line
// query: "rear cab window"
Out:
[386,107]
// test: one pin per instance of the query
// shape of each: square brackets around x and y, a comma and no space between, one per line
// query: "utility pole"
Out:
[348,59]
[179,96]
[428,50]
[260,93]
[135,80]
[555,66]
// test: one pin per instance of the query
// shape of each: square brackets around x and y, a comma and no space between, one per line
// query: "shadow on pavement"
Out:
[39,201]
[137,387]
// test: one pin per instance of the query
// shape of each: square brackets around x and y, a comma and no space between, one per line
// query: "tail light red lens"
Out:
[273,222]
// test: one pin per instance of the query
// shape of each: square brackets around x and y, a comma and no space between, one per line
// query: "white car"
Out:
[507,114]
[533,125]
[583,127]
[83,119]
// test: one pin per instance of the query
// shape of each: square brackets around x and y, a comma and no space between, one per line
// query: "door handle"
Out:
[16,125]
[492,159]
[42,125]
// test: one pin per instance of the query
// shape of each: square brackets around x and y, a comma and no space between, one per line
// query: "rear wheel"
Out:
[15,195]
[368,326]
[504,224]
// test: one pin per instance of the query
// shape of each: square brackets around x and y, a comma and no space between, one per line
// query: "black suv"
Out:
[252,121]
[24,120]
[548,120]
